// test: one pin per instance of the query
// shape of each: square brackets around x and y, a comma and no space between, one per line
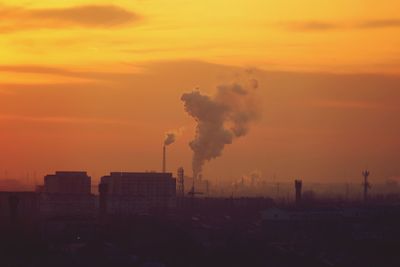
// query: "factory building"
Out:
[137,192]
[67,183]
[67,194]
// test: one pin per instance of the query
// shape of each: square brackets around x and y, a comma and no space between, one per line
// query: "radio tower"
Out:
[366,184]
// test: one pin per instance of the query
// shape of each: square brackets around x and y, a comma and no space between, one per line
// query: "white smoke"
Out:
[220,118]
[170,136]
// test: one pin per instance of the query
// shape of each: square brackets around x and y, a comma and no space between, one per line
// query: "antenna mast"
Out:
[366,184]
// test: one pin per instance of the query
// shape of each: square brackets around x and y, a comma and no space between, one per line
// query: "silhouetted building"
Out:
[39,189]
[103,188]
[18,207]
[75,205]
[67,183]
[137,192]
[67,194]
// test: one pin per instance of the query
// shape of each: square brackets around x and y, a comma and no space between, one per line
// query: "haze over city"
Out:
[95,85]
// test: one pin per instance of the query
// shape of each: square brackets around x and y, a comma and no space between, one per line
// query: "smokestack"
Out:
[170,138]
[298,184]
[164,159]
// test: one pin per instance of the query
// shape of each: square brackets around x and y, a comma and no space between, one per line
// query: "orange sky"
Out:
[94,85]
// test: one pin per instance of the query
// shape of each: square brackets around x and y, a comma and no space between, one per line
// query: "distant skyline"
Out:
[95,85]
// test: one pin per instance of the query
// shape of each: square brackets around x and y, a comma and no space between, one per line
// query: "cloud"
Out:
[346,104]
[321,26]
[385,23]
[68,73]
[62,120]
[310,26]
[92,16]
[37,70]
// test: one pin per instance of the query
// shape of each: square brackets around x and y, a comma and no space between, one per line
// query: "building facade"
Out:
[137,192]
[67,194]
[67,183]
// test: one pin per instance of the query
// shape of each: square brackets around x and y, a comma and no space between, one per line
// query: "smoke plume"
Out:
[220,118]
[170,138]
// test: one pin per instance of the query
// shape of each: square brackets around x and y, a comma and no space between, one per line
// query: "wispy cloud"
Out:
[321,26]
[310,26]
[62,120]
[385,23]
[38,70]
[350,104]
[64,72]
[93,16]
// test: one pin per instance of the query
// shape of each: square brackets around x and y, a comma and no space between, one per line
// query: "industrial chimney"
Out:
[169,139]
[298,184]
[164,163]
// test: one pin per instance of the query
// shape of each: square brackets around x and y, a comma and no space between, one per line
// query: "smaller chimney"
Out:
[298,184]
[164,163]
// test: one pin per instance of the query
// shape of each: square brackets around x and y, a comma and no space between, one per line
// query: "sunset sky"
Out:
[94,85]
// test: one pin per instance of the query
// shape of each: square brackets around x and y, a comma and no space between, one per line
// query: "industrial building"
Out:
[68,194]
[67,183]
[137,192]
